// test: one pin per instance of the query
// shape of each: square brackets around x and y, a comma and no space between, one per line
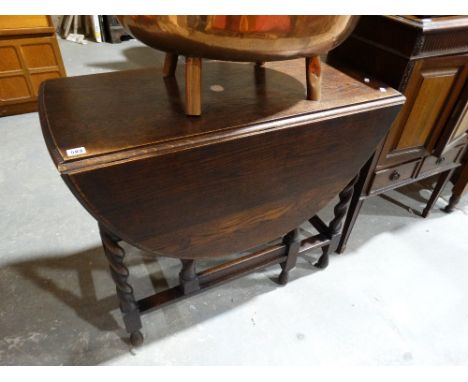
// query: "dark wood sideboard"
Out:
[427,60]
[242,178]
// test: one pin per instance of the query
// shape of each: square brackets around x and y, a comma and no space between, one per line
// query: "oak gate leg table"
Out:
[259,162]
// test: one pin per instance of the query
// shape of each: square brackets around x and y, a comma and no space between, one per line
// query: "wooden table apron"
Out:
[220,191]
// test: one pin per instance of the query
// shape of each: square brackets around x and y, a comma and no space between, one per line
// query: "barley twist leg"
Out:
[119,272]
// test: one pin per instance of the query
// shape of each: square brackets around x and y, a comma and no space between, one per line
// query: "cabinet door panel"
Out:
[432,92]
[457,127]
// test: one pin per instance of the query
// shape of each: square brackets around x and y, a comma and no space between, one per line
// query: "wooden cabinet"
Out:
[29,55]
[432,91]
[427,60]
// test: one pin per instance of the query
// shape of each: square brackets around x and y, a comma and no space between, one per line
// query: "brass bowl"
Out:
[240,38]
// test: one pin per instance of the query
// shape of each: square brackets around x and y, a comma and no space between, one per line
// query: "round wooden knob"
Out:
[395,175]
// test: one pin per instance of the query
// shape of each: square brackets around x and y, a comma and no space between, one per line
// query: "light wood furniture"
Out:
[29,54]
[242,178]
[427,60]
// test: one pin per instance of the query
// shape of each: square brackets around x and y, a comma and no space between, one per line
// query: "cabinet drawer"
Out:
[435,164]
[394,176]
[26,21]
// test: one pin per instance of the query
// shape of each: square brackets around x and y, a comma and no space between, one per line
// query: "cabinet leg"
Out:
[354,206]
[353,213]
[441,182]
[293,243]
[119,272]
[313,78]
[459,186]
[454,199]
[193,69]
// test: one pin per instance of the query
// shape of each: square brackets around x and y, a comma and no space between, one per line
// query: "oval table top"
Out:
[259,162]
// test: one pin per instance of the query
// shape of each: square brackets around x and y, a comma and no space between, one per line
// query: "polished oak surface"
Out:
[256,165]
[117,113]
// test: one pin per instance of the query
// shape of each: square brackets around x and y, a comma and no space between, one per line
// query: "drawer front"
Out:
[436,164]
[25,21]
[394,176]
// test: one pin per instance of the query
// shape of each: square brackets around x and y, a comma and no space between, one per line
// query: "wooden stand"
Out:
[247,174]
[193,81]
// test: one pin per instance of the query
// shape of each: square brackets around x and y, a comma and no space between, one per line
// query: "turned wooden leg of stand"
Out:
[340,210]
[170,64]
[259,63]
[193,67]
[293,243]
[441,182]
[313,78]
[334,228]
[128,305]
[188,277]
[322,263]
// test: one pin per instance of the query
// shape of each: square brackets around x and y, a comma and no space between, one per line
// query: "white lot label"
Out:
[76,151]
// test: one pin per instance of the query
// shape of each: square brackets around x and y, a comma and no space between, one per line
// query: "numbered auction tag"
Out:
[76,151]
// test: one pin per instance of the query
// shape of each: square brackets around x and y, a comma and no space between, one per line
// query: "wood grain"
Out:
[154,115]
[193,79]
[236,177]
